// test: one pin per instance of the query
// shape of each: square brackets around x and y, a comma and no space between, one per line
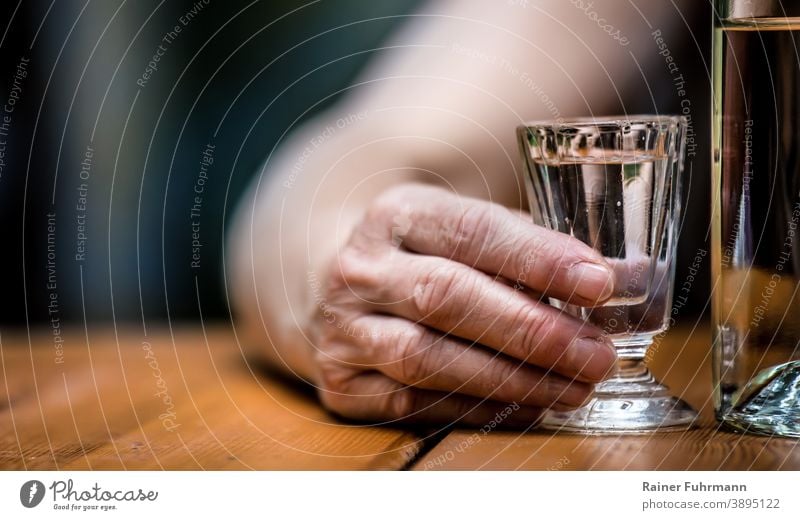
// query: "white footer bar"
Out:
[401,495]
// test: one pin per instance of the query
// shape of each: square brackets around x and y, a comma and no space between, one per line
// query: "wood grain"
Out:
[682,360]
[104,408]
[110,403]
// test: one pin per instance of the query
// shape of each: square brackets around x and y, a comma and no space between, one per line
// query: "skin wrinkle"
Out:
[431,290]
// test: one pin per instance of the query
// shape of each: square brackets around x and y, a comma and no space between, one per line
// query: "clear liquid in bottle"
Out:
[756,219]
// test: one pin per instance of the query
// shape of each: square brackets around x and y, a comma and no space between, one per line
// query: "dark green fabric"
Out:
[139,234]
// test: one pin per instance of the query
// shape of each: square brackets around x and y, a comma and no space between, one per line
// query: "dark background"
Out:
[237,66]
[231,66]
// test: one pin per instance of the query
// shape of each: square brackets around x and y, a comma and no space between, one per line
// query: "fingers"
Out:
[461,279]
[457,300]
[375,397]
[491,238]
[421,357]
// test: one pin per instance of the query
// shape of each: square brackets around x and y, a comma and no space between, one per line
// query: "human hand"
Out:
[435,311]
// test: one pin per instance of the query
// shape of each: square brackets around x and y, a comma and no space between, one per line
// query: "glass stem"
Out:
[632,377]
[632,370]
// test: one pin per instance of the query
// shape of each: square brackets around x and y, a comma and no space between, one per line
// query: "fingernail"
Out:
[591,281]
[593,358]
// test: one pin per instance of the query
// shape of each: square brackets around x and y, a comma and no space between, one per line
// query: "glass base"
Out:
[629,403]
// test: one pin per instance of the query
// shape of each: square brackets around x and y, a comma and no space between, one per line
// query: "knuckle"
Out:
[468,229]
[342,405]
[393,212]
[332,389]
[347,267]
[379,223]
[499,373]
[536,326]
[432,289]
[546,255]
[546,248]
[400,405]
[336,391]
[332,376]
[348,270]
[336,349]
[414,355]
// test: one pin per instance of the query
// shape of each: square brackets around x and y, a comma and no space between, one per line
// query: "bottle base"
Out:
[768,404]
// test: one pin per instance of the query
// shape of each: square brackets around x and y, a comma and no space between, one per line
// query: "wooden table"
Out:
[187,399]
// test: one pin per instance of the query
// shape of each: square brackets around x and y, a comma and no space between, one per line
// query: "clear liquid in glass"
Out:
[609,205]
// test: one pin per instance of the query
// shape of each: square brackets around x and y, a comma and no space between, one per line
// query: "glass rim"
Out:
[614,122]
